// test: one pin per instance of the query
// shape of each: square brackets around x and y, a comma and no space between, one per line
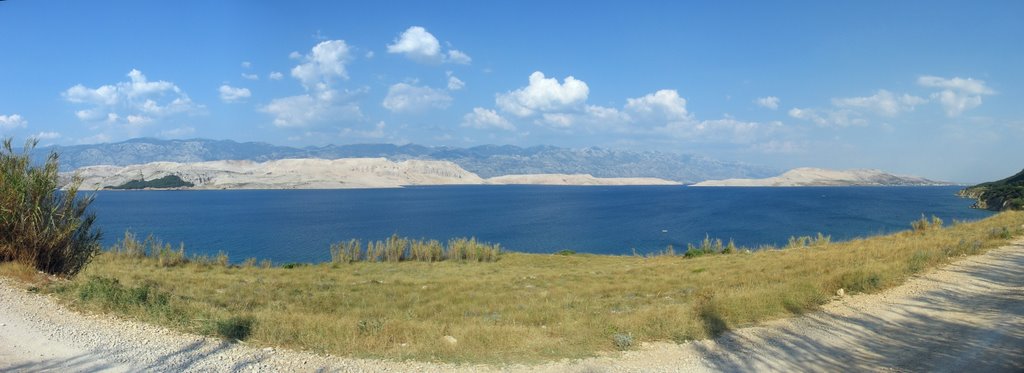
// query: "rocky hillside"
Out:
[314,173]
[823,177]
[485,161]
[1005,194]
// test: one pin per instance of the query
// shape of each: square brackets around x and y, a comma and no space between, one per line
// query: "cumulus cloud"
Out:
[403,97]
[231,94]
[485,119]
[828,118]
[956,95]
[770,102]
[454,83]
[456,56]
[883,103]
[325,62]
[419,45]
[250,76]
[137,97]
[47,135]
[301,110]
[9,122]
[543,95]
[319,69]
[246,64]
[665,102]
[726,129]
[275,75]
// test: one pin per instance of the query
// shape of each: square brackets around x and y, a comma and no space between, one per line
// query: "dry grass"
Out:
[523,308]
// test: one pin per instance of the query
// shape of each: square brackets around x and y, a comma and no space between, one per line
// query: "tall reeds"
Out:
[398,249]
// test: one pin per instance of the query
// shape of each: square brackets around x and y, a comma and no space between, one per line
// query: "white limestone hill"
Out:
[821,177]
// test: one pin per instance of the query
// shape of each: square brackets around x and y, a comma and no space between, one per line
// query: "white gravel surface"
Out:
[968,316]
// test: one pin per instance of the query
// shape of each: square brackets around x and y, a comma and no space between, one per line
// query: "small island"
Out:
[166,182]
[1001,195]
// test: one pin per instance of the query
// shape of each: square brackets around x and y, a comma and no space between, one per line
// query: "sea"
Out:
[300,225]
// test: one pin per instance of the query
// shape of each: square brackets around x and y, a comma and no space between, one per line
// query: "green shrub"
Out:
[39,225]
[108,293]
[235,328]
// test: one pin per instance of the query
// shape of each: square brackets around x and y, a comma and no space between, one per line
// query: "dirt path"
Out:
[968,316]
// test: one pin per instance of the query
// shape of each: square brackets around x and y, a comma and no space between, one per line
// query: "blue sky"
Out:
[929,88]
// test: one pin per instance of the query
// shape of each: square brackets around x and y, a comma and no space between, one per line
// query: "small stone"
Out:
[268,349]
[450,340]
[840,292]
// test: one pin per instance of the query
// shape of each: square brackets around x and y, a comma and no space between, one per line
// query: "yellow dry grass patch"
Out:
[527,307]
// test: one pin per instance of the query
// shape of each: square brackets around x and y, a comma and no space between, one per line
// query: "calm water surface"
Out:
[299,225]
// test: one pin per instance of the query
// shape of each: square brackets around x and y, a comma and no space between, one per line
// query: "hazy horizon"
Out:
[919,88]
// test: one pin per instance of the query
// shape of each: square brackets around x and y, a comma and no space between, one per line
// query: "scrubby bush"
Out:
[923,224]
[40,225]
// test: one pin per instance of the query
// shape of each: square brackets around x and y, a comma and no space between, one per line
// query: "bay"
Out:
[299,225]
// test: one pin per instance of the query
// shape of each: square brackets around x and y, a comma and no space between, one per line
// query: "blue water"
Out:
[300,225]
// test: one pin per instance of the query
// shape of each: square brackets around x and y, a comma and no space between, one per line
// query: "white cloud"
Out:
[419,45]
[325,62]
[727,129]
[9,122]
[665,102]
[369,54]
[403,97]
[47,135]
[543,95]
[957,94]
[319,69]
[250,76]
[968,85]
[275,75]
[246,64]
[456,56]
[454,83]
[485,118]
[770,102]
[138,96]
[179,132]
[302,110]
[883,103]
[231,94]
[558,120]
[295,55]
[829,118]
[138,120]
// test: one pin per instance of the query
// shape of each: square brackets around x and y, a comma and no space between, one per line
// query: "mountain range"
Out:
[486,160]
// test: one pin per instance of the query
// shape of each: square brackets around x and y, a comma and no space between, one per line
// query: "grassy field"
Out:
[520,308]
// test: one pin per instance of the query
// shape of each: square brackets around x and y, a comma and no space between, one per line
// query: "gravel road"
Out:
[968,316]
